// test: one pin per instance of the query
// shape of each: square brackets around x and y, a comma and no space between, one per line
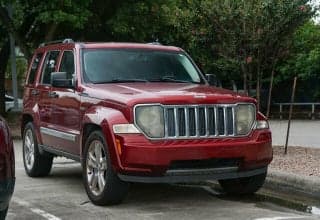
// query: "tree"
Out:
[303,61]
[255,34]
[35,21]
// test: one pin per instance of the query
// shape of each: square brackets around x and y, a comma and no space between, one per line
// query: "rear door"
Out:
[30,93]
[43,89]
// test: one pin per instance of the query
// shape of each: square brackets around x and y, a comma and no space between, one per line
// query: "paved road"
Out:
[302,133]
[62,196]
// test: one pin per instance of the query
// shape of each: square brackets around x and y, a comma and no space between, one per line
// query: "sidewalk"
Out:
[302,132]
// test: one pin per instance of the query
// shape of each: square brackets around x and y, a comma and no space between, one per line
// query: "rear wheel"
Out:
[101,182]
[242,186]
[35,164]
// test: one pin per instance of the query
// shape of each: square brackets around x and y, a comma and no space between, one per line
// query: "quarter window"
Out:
[34,68]
[49,66]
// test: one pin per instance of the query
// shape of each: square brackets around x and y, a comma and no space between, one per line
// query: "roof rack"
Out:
[64,41]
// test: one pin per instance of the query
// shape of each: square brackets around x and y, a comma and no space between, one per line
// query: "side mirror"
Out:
[212,79]
[60,80]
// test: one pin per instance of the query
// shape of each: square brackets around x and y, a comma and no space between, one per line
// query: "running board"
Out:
[59,152]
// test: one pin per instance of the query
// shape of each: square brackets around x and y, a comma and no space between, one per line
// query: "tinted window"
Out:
[34,68]
[67,64]
[49,66]
[103,66]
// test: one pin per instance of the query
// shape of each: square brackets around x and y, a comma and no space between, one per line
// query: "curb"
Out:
[292,183]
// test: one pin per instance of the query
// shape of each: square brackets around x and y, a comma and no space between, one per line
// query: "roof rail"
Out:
[155,43]
[64,41]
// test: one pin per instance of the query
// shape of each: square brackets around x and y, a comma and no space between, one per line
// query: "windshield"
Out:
[106,66]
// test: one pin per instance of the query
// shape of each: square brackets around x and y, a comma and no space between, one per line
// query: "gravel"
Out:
[299,160]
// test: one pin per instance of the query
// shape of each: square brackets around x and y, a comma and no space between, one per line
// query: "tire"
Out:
[101,182]
[243,186]
[35,164]
[3,214]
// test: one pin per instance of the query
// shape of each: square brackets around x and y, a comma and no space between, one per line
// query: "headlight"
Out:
[245,117]
[150,120]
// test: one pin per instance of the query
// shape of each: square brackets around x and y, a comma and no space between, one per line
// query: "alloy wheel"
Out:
[96,165]
[29,149]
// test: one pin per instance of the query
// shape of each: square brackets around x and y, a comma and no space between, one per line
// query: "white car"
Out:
[10,103]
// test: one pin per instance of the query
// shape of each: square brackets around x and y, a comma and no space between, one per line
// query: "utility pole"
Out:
[13,64]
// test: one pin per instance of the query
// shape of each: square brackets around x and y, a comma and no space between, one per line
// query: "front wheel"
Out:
[243,186]
[102,184]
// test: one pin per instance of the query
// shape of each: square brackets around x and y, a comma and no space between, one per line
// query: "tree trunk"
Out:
[245,75]
[51,32]
[258,90]
[7,22]
[270,93]
[4,57]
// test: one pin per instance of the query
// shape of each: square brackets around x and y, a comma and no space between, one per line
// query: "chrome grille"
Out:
[202,121]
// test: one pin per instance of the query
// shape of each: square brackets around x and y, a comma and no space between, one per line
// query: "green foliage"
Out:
[303,60]
[21,67]
[241,40]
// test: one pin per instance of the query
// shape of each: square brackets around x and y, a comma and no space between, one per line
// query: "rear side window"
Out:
[34,68]
[49,66]
[67,64]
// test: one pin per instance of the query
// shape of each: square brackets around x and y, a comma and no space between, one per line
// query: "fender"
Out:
[105,118]
[34,113]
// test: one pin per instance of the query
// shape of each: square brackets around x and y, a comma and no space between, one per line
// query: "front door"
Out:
[65,103]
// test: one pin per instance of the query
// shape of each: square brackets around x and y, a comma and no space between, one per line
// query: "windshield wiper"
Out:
[120,81]
[170,79]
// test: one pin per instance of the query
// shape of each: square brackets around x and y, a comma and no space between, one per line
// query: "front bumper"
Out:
[193,177]
[6,191]
[138,156]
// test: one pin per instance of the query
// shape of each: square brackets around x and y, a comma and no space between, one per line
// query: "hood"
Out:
[130,94]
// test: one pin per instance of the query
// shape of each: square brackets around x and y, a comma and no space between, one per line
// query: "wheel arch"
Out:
[103,119]
[26,118]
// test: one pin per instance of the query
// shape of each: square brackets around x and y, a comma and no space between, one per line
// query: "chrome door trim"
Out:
[58,134]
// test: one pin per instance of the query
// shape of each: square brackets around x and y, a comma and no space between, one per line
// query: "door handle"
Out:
[53,95]
[34,92]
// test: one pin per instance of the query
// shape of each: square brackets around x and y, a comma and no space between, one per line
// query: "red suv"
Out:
[7,168]
[138,113]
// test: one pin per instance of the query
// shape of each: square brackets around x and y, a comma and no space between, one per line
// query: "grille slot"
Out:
[203,121]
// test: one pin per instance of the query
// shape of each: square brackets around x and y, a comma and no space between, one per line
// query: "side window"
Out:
[49,66]
[67,64]
[34,68]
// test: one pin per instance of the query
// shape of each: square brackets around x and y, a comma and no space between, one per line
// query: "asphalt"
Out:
[61,195]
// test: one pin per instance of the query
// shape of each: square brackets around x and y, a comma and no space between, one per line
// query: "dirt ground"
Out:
[299,160]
